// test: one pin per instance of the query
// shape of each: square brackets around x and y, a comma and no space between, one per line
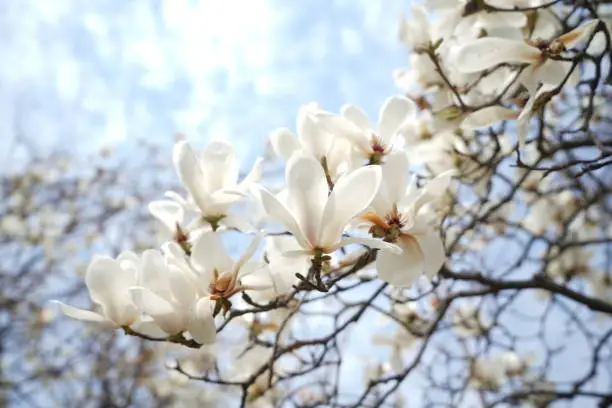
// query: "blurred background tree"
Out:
[519,316]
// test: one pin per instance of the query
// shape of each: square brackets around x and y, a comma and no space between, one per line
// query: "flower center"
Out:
[222,284]
[378,150]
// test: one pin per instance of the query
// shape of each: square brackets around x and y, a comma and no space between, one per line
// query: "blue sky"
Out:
[84,74]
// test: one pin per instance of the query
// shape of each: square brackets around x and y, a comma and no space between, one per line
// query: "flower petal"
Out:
[552,72]
[488,116]
[208,254]
[393,114]
[394,174]
[578,34]
[80,314]
[279,212]
[159,309]
[248,254]
[342,127]
[403,269]
[485,53]
[313,138]
[356,115]
[372,243]
[108,284]
[307,193]
[254,175]
[220,166]
[433,252]
[190,173]
[352,194]
[154,274]
[237,222]
[183,285]
[168,212]
[284,143]
[201,322]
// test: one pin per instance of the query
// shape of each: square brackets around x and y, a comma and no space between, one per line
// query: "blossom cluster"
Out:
[345,185]
[357,192]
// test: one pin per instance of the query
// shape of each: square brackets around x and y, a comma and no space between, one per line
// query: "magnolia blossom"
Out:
[353,124]
[400,342]
[417,33]
[487,52]
[316,218]
[468,322]
[108,281]
[403,214]
[218,274]
[466,18]
[212,183]
[168,293]
[313,139]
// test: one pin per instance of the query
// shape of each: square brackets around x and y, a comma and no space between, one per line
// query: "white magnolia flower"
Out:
[353,124]
[403,214]
[487,373]
[108,281]
[400,342]
[212,183]
[218,274]
[468,322]
[487,52]
[313,139]
[486,117]
[417,33]
[467,18]
[169,295]
[316,218]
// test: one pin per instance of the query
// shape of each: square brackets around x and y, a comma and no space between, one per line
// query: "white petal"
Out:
[356,115]
[523,119]
[598,45]
[183,285]
[147,326]
[279,212]
[254,175]
[372,243]
[154,273]
[342,127]
[552,72]
[190,173]
[159,309]
[176,197]
[393,113]
[488,116]
[485,53]
[201,322]
[505,19]
[108,284]
[220,166]
[579,34]
[434,190]
[312,136]
[237,222]
[403,269]
[432,249]
[168,212]
[284,143]
[80,314]
[248,254]
[352,194]
[208,254]
[394,173]
[307,193]
[530,79]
